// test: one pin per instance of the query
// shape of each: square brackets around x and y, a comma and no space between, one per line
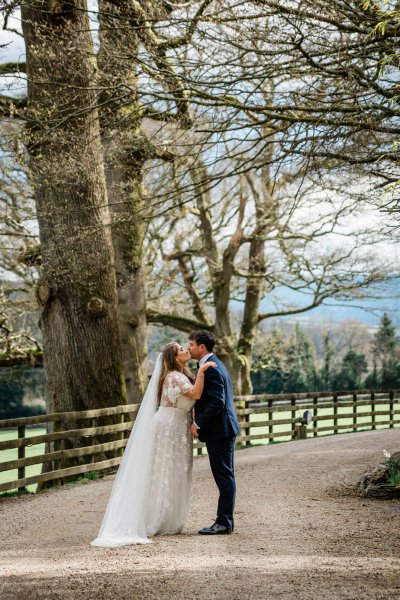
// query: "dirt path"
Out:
[300,534]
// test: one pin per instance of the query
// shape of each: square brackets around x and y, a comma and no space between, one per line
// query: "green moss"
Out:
[85,478]
[122,385]
[11,493]
[22,353]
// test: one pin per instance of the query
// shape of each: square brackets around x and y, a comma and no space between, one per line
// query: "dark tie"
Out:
[198,365]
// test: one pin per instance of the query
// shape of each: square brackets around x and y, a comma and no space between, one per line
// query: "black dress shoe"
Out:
[215,529]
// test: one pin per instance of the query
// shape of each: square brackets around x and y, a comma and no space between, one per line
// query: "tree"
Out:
[334,101]
[243,119]
[386,373]
[300,370]
[326,370]
[125,150]
[126,31]
[14,383]
[349,377]
[17,346]
[268,374]
[76,291]
[274,144]
[286,365]
[20,254]
[246,240]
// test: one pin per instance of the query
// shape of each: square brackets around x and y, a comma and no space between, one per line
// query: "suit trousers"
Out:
[220,454]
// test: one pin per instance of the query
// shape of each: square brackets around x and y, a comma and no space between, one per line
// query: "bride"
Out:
[151,491]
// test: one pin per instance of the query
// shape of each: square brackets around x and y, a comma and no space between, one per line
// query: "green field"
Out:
[254,418]
[35,450]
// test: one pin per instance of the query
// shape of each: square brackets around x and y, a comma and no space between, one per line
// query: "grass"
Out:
[6,455]
[85,478]
[254,418]
[11,493]
[34,450]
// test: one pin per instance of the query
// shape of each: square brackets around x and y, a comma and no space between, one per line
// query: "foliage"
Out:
[12,493]
[286,365]
[349,377]
[300,363]
[386,355]
[289,363]
[393,468]
[268,372]
[287,360]
[21,392]
[85,477]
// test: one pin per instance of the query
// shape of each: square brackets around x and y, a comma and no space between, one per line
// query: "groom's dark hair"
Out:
[204,337]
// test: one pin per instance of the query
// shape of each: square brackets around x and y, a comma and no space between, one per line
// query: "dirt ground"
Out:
[300,533]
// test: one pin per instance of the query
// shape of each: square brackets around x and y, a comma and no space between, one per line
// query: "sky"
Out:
[16,47]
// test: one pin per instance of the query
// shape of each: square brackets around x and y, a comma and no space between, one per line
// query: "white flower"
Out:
[386,454]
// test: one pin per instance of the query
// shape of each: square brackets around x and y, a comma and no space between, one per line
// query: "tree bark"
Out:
[221,271]
[77,290]
[257,267]
[126,149]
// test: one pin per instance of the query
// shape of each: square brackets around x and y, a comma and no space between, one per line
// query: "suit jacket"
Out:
[215,412]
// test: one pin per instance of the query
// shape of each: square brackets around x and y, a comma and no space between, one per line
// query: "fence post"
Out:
[293,416]
[355,412]
[247,421]
[300,432]
[303,432]
[270,427]
[373,409]
[391,409]
[92,424]
[315,411]
[121,436]
[21,454]
[57,448]
[335,413]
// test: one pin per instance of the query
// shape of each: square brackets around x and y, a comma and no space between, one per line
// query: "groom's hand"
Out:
[194,429]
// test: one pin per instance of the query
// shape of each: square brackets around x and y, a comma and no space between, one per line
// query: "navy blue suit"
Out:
[215,415]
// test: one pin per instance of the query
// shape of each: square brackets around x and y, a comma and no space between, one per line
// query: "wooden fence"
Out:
[263,419]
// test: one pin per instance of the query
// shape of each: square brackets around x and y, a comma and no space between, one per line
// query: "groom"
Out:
[216,424]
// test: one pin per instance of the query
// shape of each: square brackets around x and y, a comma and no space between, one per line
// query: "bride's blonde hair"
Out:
[170,363]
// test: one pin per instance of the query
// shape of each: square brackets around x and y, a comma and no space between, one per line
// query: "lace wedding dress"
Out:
[151,491]
[171,473]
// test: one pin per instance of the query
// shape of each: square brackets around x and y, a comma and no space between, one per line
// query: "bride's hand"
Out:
[206,366]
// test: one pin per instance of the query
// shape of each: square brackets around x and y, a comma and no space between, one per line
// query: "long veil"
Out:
[124,519]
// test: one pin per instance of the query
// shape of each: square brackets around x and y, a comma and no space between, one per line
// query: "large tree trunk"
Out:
[128,233]
[77,290]
[126,150]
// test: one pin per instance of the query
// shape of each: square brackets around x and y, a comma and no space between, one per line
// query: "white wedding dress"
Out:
[171,472]
[151,491]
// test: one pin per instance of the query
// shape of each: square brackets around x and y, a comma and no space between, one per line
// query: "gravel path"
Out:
[300,533]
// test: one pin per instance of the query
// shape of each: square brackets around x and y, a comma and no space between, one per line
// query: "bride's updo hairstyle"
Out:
[170,363]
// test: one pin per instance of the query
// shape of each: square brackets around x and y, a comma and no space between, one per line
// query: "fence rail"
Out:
[262,419]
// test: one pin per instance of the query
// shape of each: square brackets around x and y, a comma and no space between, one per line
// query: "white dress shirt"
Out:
[204,359]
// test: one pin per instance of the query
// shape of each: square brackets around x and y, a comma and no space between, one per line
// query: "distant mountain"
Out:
[384,297]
